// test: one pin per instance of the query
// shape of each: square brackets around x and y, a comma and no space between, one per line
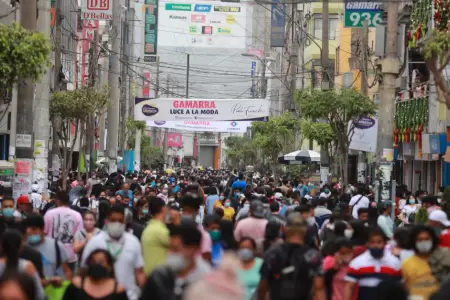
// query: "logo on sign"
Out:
[365,123]
[230,20]
[234,123]
[224,30]
[149,110]
[160,123]
[214,22]
[198,18]
[98,4]
[178,17]
[192,29]
[202,8]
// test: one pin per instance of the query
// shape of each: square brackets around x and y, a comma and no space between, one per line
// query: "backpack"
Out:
[320,220]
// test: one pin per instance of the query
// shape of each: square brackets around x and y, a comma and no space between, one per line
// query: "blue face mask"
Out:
[237,194]
[8,212]
[34,239]
[145,211]
[221,198]
[326,191]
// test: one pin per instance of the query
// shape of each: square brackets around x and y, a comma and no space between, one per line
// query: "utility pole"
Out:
[26,91]
[293,61]
[324,159]
[386,110]
[55,162]
[124,107]
[364,49]
[154,129]
[41,120]
[14,98]
[113,81]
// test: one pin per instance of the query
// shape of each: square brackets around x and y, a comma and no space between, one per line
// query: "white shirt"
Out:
[410,209]
[36,199]
[324,195]
[127,260]
[363,203]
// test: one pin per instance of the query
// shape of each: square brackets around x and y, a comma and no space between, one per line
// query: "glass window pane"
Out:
[318,28]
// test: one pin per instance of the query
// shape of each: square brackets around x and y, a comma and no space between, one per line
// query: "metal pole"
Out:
[293,61]
[26,91]
[154,129]
[113,80]
[386,110]
[13,129]
[365,44]
[324,159]
[187,75]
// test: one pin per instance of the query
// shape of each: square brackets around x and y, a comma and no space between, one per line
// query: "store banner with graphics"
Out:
[175,140]
[170,109]
[203,24]
[365,134]
[150,30]
[89,28]
[203,126]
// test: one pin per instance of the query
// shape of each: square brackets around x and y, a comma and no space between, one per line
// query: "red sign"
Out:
[198,18]
[89,27]
[146,87]
[175,140]
[98,4]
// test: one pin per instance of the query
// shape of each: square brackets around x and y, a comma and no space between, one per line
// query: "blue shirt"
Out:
[216,253]
[210,200]
[130,196]
[240,185]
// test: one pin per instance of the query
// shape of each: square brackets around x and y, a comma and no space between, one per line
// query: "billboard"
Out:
[171,109]
[203,24]
[89,27]
[150,29]
[278,18]
[175,140]
[204,126]
[96,10]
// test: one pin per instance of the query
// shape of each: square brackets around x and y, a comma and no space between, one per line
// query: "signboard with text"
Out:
[96,10]
[203,24]
[204,126]
[169,109]
[150,30]
[277,22]
[89,27]
[356,12]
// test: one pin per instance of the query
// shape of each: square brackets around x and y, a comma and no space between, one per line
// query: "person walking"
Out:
[249,275]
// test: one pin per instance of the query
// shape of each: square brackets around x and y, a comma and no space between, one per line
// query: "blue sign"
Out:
[252,74]
[278,20]
[202,8]
[435,147]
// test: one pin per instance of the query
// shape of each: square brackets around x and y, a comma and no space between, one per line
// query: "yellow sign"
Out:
[230,20]
[133,89]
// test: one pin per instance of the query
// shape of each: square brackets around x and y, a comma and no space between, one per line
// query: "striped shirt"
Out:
[368,272]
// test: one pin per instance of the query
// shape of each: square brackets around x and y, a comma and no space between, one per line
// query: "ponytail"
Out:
[11,242]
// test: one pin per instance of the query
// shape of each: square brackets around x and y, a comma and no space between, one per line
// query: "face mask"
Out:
[412,201]
[8,212]
[439,200]
[348,233]
[326,191]
[215,235]
[221,198]
[424,246]
[115,229]
[145,211]
[227,204]
[376,253]
[245,254]
[311,221]
[98,272]
[247,205]
[165,192]
[176,262]
[237,194]
[34,239]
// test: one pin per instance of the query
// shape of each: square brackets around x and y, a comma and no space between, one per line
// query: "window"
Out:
[332,25]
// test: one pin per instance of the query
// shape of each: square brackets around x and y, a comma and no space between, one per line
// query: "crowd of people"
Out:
[216,235]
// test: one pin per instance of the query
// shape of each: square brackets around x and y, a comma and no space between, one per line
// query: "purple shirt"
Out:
[62,223]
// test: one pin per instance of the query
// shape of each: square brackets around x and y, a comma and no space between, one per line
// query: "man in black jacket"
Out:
[184,266]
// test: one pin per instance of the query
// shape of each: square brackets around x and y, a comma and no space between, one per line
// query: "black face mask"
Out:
[98,272]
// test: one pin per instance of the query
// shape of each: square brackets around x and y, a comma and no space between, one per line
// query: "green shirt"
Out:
[155,243]
[250,278]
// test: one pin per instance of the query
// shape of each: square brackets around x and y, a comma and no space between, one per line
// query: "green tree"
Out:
[23,54]
[341,110]
[73,108]
[150,155]
[274,136]
[240,151]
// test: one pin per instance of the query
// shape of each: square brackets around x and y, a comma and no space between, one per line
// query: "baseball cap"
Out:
[295,219]
[439,216]
[257,209]
[23,199]
[278,195]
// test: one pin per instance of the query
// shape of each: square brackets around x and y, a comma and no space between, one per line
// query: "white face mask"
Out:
[115,229]
[348,233]
[165,191]
[424,246]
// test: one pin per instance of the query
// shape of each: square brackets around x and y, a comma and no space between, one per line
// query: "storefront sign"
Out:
[203,126]
[201,109]
[150,9]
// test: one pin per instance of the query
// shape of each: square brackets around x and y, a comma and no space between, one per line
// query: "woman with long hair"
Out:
[97,281]
[17,286]
[10,263]
[83,236]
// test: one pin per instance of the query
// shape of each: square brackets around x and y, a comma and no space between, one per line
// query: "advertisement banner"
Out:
[175,140]
[170,109]
[150,36]
[203,126]
[89,27]
[356,12]
[278,18]
[96,10]
[203,24]
[146,87]
[365,134]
